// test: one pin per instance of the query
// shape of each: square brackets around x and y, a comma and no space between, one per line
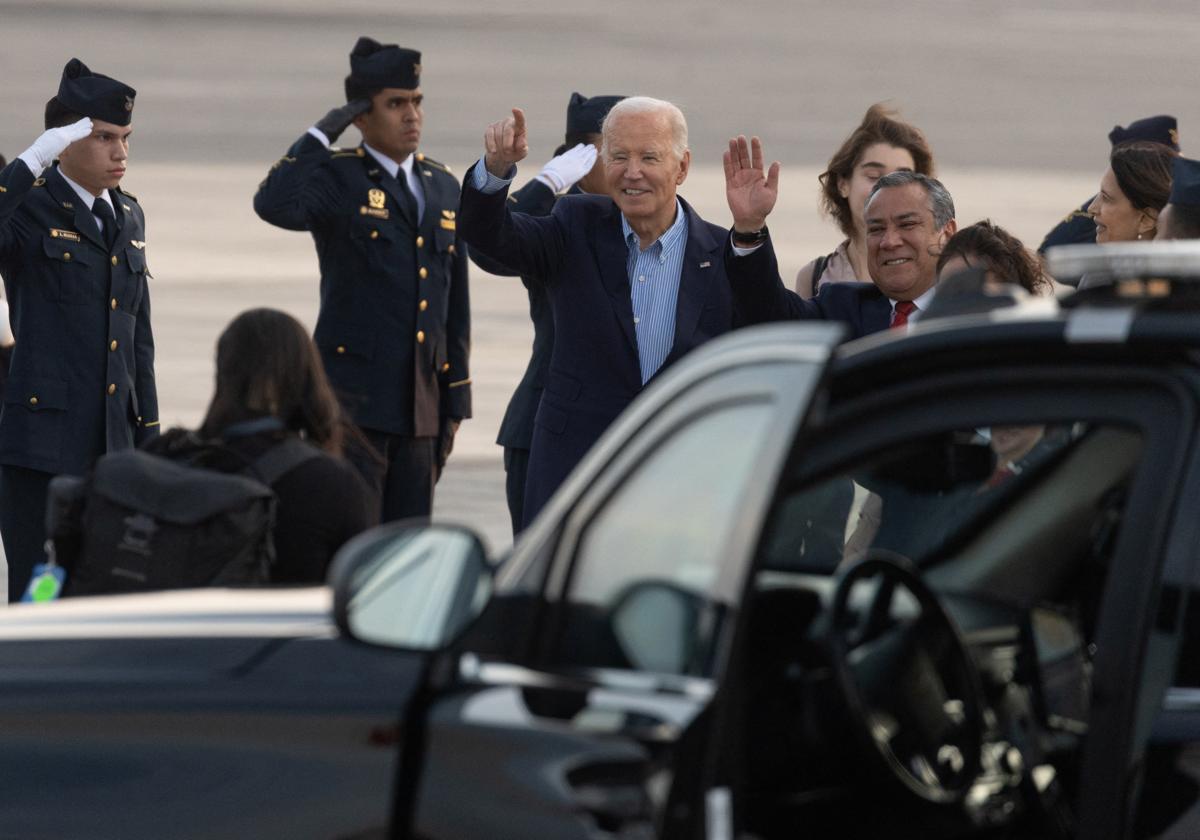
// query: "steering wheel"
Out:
[909,682]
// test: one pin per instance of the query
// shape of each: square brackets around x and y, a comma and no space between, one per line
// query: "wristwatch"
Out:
[750,238]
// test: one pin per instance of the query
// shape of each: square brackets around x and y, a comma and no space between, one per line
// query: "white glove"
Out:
[51,144]
[561,173]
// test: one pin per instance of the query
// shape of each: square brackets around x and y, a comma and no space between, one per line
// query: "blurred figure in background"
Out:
[1078,225]
[1000,254]
[880,145]
[1180,218]
[271,386]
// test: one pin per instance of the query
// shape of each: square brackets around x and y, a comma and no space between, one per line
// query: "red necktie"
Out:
[904,308]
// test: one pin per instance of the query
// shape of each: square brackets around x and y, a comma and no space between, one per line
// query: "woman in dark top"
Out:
[270,385]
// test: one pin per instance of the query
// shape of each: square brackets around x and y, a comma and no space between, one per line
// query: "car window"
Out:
[646,585]
[921,498]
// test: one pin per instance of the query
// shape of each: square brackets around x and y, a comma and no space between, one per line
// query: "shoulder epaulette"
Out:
[343,153]
[433,164]
[126,193]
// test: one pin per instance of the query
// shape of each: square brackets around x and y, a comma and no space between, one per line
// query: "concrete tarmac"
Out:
[1016,99]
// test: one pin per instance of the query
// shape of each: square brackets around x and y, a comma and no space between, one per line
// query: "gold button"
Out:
[112,389]
[423,305]
[423,273]
[54,234]
[445,366]
[67,256]
[112,304]
[451,250]
[420,241]
[33,400]
[420,337]
[374,234]
[112,345]
[420,157]
[114,260]
[341,349]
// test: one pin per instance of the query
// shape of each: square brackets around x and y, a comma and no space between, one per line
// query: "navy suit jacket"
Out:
[760,296]
[81,379]
[579,254]
[516,429]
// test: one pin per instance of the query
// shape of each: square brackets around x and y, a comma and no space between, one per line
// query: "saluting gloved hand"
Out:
[445,441]
[562,172]
[51,144]
[335,122]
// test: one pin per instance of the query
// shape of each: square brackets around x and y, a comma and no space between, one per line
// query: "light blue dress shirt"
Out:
[654,275]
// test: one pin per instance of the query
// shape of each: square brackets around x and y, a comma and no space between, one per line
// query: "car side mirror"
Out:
[654,623]
[409,586]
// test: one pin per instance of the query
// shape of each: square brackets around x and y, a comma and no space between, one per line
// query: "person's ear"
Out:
[843,186]
[1147,223]
[684,163]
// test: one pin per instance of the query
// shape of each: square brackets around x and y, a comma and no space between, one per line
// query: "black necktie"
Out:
[104,210]
[410,201]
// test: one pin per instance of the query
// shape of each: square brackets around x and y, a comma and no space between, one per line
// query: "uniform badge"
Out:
[447,220]
[376,199]
[69,235]
[138,243]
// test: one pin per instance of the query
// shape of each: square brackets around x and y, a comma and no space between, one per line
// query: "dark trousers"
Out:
[400,472]
[22,523]
[516,466]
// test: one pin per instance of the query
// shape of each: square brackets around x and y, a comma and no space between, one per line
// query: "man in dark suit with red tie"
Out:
[909,218]
[635,278]
[73,258]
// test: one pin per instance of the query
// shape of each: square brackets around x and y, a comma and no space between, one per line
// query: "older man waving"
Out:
[635,278]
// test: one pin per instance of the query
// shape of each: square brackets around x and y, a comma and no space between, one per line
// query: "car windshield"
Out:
[924,499]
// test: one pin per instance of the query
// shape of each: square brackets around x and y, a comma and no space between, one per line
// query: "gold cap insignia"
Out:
[1174,132]
[376,199]
[128,103]
[416,69]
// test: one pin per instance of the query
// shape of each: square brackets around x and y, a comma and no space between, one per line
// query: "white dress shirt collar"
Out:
[86,197]
[390,166]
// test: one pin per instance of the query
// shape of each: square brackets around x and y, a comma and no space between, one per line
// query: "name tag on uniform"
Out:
[69,235]
[447,220]
[373,212]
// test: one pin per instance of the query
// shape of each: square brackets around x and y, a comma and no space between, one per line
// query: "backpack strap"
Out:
[818,269]
[289,453]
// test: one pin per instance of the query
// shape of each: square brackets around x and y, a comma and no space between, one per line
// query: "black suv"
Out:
[929,584]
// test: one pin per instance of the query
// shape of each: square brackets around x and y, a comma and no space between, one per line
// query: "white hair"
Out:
[634,105]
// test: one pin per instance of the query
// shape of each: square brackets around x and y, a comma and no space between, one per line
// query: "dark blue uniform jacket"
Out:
[394,329]
[579,254]
[81,379]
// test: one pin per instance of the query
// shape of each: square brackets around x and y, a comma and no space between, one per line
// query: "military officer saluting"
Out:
[72,255]
[394,322]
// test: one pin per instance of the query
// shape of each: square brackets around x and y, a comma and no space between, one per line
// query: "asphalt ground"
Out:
[1015,98]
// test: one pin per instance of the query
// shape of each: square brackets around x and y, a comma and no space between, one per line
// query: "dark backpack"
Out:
[143,522]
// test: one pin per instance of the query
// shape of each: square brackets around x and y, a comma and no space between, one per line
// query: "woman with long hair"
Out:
[880,145]
[271,386]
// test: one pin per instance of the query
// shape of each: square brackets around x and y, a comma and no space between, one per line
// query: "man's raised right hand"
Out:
[505,144]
